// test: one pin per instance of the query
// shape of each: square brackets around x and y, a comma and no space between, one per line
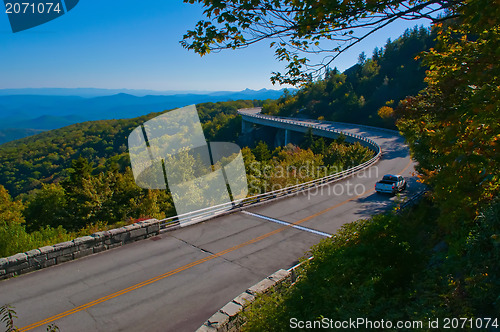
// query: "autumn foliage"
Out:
[453,125]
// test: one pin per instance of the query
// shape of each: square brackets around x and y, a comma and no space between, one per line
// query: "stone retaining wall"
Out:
[229,318]
[83,246]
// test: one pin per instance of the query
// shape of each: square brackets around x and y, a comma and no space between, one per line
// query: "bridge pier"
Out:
[246,127]
[285,136]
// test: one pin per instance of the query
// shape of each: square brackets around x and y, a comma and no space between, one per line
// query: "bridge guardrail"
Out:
[411,201]
[390,131]
[208,213]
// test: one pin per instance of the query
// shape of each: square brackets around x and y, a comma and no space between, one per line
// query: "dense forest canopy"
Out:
[453,125]
[391,74]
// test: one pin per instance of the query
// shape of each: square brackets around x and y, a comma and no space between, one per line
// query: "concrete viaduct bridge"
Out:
[290,129]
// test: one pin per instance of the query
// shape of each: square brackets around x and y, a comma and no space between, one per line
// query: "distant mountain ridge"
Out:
[95,92]
[39,111]
[8,135]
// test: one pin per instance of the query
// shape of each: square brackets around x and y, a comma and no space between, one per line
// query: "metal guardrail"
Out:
[210,212]
[390,131]
[297,122]
[411,201]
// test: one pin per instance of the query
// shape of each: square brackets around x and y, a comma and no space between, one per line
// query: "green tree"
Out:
[308,141]
[46,207]
[128,201]
[80,170]
[84,194]
[452,126]
[356,95]
[10,210]
[319,146]
[262,152]
[341,139]
[13,236]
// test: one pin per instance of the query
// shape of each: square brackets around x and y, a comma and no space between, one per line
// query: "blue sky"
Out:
[134,44]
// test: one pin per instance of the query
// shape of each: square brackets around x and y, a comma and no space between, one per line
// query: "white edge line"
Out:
[281,222]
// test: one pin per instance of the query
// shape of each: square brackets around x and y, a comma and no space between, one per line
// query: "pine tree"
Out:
[262,152]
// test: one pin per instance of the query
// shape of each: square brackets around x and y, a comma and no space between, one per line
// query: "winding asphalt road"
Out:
[177,280]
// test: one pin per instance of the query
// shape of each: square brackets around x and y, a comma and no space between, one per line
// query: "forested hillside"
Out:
[356,95]
[7,135]
[28,163]
[77,180]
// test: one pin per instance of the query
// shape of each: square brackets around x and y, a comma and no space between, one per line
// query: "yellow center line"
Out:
[187,266]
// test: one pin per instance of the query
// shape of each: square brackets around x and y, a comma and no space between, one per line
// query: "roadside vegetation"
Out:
[286,166]
[396,267]
[441,258]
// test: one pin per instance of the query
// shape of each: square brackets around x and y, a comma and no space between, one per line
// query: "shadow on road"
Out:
[376,203]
